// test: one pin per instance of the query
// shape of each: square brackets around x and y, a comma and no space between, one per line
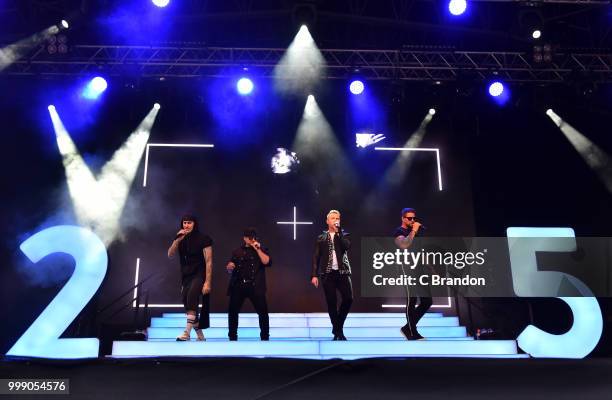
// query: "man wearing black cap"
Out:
[248,280]
[195,253]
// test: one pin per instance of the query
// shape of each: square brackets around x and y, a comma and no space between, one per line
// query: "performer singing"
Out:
[330,264]
[404,235]
[195,253]
[248,280]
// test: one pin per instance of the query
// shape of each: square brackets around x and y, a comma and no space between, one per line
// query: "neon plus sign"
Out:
[295,223]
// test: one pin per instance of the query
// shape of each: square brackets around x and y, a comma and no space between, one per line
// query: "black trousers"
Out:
[415,312]
[191,293]
[238,294]
[332,283]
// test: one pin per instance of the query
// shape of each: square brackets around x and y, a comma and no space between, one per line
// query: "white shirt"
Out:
[334,257]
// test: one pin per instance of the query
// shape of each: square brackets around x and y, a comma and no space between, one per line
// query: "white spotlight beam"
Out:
[593,155]
[82,185]
[15,51]
[98,204]
[400,167]
[302,65]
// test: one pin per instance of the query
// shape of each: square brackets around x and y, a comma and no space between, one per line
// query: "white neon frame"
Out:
[146,166]
[144,184]
[435,150]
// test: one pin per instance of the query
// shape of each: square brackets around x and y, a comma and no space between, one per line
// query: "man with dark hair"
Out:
[330,264]
[248,280]
[195,253]
[404,235]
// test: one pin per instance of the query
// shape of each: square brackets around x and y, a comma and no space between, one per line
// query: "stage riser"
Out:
[316,333]
[309,336]
[324,349]
[313,315]
[304,322]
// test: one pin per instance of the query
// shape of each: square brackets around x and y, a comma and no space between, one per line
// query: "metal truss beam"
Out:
[405,64]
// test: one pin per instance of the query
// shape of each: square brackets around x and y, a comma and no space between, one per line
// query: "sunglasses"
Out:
[410,218]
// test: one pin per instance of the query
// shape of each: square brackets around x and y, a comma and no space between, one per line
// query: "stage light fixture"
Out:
[432,111]
[536,34]
[51,107]
[65,24]
[95,88]
[244,86]
[457,7]
[496,89]
[161,3]
[356,87]
[156,106]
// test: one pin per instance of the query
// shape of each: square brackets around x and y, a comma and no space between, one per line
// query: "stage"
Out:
[381,378]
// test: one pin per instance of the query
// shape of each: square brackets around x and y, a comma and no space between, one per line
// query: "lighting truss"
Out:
[421,64]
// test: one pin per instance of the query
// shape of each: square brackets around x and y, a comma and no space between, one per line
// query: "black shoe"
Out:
[405,330]
[341,336]
[265,339]
[233,338]
[336,337]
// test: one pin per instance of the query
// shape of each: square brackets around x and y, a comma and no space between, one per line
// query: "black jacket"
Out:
[249,271]
[320,257]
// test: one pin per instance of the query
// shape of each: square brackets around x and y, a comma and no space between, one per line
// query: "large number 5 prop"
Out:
[586,330]
[42,337]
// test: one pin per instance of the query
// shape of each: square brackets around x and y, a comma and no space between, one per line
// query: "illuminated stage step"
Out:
[309,336]
[318,348]
[315,315]
[249,321]
[316,333]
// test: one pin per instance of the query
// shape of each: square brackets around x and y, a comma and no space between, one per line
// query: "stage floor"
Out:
[250,378]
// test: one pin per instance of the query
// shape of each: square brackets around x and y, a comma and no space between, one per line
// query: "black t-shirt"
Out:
[401,231]
[191,252]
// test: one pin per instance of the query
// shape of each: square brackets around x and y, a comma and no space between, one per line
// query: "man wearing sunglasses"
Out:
[404,235]
[248,281]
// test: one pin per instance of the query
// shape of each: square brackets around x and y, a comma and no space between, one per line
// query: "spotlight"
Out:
[244,86]
[496,89]
[536,34]
[156,106]
[95,88]
[432,111]
[356,87]
[161,3]
[457,7]
[51,107]
[65,24]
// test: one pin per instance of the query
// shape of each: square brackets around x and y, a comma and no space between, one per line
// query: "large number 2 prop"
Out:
[586,330]
[42,337]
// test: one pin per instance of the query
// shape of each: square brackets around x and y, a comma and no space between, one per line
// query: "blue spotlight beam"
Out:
[457,7]
[356,87]
[244,86]
[95,88]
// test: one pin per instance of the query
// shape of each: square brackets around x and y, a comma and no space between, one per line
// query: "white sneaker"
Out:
[200,334]
[184,337]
